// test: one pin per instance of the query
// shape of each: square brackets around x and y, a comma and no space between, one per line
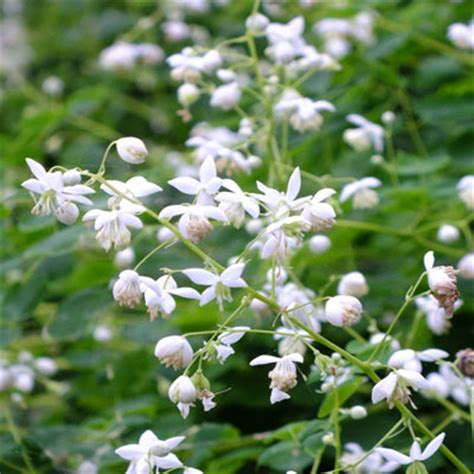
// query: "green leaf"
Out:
[284,456]
[411,165]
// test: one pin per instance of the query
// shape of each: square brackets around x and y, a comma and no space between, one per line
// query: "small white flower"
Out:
[235,203]
[226,96]
[283,376]
[409,359]
[442,282]
[218,285]
[363,196]
[53,196]
[132,150]
[353,284]
[448,233]
[321,215]
[150,453]
[286,41]
[135,188]
[102,333]
[194,221]
[208,184]
[466,266]
[46,366]
[159,294]
[226,339]
[415,451]
[396,386]
[462,35]
[188,94]
[257,24]
[343,310]
[319,244]
[182,392]
[466,191]
[174,351]
[126,289]
[368,134]
[112,227]
[366,463]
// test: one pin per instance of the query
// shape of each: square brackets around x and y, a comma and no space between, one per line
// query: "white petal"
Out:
[172,211]
[431,355]
[237,333]
[432,447]
[400,358]
[186,185]
[294,185]
[392,455]
[429,260]
[264,359]
[295,357]
[207,295]
[213,213]
[323,194]
[148,439]
[370,182]
[201,276]
[167,462]
[33,185]
[384,388]
[141,187]
[131,221]
[232,273]
[186,293]
[173,442]
[348,190]
[36,168]
[130,452]
[416,379]
[207,170]
[278,396]
[252,207]
[415,451]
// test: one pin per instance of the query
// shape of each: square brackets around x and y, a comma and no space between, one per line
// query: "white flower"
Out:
[218,285]
[409,359]
[54,195]
[466,266]
[119,56]
[132,150]
[150,453]
[436,316]
[286,41]
[321,215]
[448,233]
[135,188]
[234,203]
[283,376]
[188,94]
[126,289]
[53,86]
[226,339]
[208,184]
[461,35]
[319,244]
[442,282]
[415,451]
[364,197]
[372,463]
[465,189]
[112,227]
[396,386]
[182,392]
[353,284]
[304,113]
[46,366]
[366,136]
[343,310]
[257,24]
[174,351]
[159,294]
[226,96]
[194,223]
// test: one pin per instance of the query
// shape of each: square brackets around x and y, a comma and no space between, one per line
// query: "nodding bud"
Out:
[182,390]
[343,310]
[465,362]
[353,284]
[358,412]
[132,150]
[174,351]
[257,24]
[442,282]
[466,266]
[126,289]
[188,94]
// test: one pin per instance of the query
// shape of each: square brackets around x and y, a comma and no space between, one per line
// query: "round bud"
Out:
[358,412]
[465,362]
[328,438]
[319,244]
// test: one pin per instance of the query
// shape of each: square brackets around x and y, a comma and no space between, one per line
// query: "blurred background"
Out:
[62,105]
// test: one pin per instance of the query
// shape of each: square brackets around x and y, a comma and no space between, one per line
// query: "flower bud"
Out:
[465,362]
[353,284]
[257,24]
[466,266]
[46,365]
[319,244]
[254,226]
[132,150]
[448,233]
[358,412]
[164,234]
[226,96]
[174,351]
[71,177]
[67,213]
[212,60]
[182,390]
[358,139]
[124,258]
[126,289]
[188,94]
[388,117]
[328,438]
[343,310]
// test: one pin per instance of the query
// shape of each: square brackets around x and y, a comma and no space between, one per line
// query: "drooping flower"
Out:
[126,289]
[321,215]
[226,339]
[372,463]
[226,96]
[409,359]
[343,310]
[174,351]
[442,282]
[415,452]
[159,294]
[283,376]
[113,227]
[53,193]
[218,285]
[183,392]
[150,453]
[353,284]
[462,35]
[397,385]
[132,150]
[366,136]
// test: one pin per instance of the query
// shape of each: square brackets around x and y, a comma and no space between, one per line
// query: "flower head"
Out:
[343,310]
[132,150]
[174,351]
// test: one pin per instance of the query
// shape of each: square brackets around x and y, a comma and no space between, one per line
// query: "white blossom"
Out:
[448,233]
[409,359]
[174,351]
[462,35]
[132,150]
[227,96]
[343,310]
[226,339]
[286,41]
[283,376]
[363,196]
[372,463]
[353,284]
[183,392]
[126,289]
[368,134]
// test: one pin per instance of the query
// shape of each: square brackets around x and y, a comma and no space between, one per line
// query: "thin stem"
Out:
[152,252]
[337,429]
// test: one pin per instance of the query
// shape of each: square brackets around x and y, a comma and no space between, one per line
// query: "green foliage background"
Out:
[56,282]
